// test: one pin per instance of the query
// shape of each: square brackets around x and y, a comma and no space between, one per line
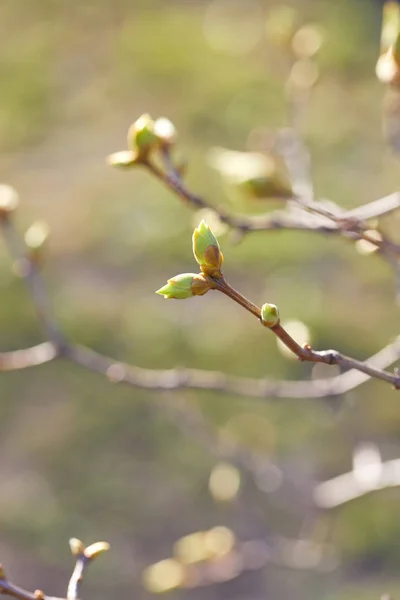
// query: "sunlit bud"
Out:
[387,68]
[184,286]
[35,239]
[206,248]
[8,200]
[77,546]
[257,174]
[141,136]
[124,159]
[165,131]
[388,65]
[269,315]
[307,41]
[95,549]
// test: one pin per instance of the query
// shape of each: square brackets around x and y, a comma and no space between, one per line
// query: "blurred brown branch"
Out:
[350,224]
[84,556]
[58,346]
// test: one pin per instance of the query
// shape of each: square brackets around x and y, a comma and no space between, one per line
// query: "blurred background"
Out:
[200,495]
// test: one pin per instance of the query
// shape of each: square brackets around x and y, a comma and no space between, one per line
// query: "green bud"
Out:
[269,315]
[184,286]
[141,136]
[206,249]
[258,175]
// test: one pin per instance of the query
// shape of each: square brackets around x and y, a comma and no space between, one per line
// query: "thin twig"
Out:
[306,353]
[347,223]
[192,378]
[29,271]
[84,557]
[28,357]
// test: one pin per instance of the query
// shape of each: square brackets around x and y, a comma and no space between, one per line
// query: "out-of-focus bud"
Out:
[94,550]
[280,24]
[206,250]
[77,546]
[260,176]
[141,136]
[388,65]
[269,315]
[307,41]
[35,240]
[185,285]
[9,200]
[124,159]
[165,131]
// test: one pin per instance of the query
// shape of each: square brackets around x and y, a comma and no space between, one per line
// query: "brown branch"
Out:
[29,271]
[166,380]
[347,223]
[306,353]
[84,557]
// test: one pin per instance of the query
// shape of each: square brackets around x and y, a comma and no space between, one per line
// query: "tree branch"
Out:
[175,379]
[84,556]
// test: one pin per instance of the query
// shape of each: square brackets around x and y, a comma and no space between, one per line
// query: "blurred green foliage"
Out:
[80,457]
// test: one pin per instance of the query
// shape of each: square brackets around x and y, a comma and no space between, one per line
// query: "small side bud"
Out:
[184,286]
[77,546]
[165,131]
[141,136]
[124,159]
[95,549]
[206,249]
[35,239]
[269,315]
[8,200]
[2,573]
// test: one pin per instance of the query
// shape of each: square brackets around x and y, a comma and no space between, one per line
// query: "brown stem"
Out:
[223,286]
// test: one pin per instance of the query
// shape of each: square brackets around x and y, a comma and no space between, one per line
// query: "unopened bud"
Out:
[95,549]
[77,546]
[124,159]
[141,136]
[184,286]
[206,249]
[8,200]
[165,131]
[35,239]
[269,315]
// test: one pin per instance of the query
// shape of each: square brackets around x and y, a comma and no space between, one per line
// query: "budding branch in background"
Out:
[84,556]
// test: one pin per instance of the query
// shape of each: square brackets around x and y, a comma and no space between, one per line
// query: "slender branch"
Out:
[10,589]
[83,557]
[32,277]
[166,380]
[306,353]
[354,484]
[347,223]
[28,357]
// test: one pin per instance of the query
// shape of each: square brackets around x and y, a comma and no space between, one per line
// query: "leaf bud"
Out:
[269,315]
[206,249]
[184,286]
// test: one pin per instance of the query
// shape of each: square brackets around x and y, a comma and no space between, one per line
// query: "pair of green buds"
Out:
[208,255]
[144,137]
